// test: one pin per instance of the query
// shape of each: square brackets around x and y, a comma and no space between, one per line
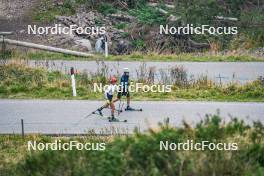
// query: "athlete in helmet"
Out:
[109,93]
[123,91]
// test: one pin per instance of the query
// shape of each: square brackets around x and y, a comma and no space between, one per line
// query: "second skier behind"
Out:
[123,88]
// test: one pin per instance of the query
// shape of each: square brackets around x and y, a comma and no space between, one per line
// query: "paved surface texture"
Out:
[61,116]
[229,71]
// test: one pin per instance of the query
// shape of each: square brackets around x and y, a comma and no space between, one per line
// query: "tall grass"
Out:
[22,81]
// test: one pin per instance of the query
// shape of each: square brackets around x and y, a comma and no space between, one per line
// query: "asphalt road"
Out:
[241,72]
[61,116]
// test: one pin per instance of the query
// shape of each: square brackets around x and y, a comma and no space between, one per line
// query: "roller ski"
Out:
[128,108]
[99,112]
[113,119]
[119,111]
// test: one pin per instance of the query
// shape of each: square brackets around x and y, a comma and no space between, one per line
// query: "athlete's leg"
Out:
[118,97]
[108,102]
[104,106]
[112,105]
[101,108]
[128,99]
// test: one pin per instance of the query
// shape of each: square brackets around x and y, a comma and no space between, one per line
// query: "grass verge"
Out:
[137,56]
[20,81]
[140,154]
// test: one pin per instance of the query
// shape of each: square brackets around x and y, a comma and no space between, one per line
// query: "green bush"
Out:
[121,25]
[148,15]
[106,8]
[138,44]
[135,3]
[47,11]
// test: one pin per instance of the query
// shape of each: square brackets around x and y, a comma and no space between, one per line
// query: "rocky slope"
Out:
[130,26]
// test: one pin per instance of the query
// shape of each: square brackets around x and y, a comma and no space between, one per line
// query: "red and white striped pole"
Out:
[74,93]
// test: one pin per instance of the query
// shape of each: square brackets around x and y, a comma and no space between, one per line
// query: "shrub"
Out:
[106,8]
[138,44]
[140,154]
[148,15]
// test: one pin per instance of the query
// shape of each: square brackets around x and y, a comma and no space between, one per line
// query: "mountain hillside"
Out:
[134,25]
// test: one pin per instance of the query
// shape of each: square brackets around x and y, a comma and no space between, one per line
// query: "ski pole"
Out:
[85,118]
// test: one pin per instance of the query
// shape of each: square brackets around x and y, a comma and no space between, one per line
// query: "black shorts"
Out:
[109,97]
[120,94]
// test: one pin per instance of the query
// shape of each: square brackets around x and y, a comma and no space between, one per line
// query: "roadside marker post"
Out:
[220,79]
[2,37]
[74,93]
[106,46]
[22,128]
